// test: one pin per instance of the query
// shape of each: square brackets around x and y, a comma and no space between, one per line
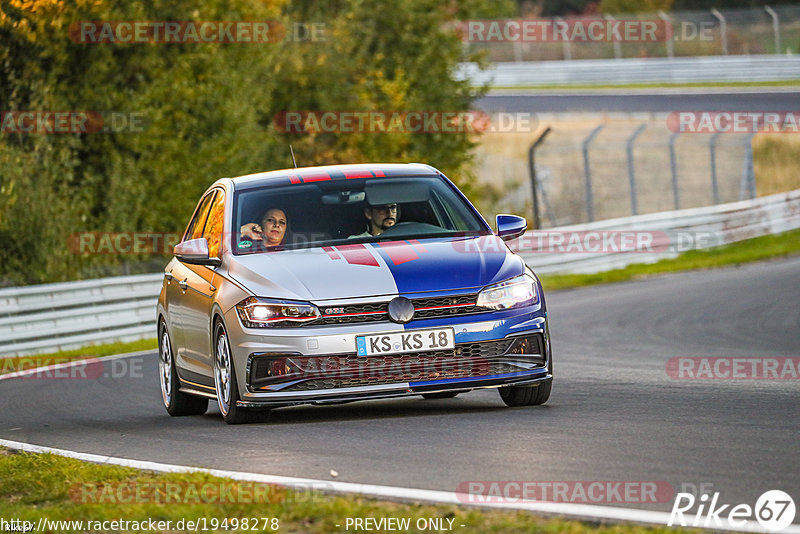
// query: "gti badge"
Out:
[401,310]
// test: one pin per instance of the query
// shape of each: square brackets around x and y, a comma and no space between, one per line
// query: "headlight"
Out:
[267,313]
[514,293]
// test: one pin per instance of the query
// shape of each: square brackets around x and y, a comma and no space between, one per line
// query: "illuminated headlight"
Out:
[267,313]
[514,293]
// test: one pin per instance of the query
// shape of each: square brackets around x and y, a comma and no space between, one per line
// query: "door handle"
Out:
[183,284]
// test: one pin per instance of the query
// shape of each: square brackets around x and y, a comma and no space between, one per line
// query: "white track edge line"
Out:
[579,511]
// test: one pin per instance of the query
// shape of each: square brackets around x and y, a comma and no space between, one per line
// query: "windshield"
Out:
[349,211]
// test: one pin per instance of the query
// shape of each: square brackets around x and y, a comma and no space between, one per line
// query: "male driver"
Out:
[379,218]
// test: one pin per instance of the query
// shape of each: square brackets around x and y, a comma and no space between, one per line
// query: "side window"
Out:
[213,230]
[195,229]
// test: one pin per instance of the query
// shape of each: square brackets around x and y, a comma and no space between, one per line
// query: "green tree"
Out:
[207,111]
[384,57]
[196,101]
[635,6]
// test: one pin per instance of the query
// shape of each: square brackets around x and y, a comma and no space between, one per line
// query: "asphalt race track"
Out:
[615,414]
[640,100]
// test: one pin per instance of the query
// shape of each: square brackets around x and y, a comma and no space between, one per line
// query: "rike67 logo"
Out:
[774,511]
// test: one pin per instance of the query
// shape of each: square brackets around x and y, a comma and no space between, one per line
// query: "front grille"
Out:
[424,308]
[445,306]
[357,313]
[309,373]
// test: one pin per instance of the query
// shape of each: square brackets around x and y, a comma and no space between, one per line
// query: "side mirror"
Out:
[510,226]
[195,251]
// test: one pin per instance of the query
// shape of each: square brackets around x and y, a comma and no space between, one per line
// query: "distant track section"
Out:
[639,100]
[579,72]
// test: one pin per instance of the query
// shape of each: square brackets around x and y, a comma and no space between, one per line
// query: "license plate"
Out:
[410,341]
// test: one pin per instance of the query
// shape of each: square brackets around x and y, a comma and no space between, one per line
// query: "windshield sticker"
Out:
[305,178]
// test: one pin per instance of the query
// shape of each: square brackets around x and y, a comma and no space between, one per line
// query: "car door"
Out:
[177,275]
[202,282]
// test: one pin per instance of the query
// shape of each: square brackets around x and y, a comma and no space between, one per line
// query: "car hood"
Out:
[372,269]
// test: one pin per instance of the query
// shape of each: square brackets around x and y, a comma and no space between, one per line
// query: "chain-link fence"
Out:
[682,33]
[589,169]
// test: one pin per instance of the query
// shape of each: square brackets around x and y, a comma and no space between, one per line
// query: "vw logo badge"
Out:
[401,310]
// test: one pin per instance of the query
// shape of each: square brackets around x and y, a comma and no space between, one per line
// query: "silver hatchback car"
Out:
[342,283]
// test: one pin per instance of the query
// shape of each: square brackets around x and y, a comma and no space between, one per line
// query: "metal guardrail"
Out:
[69,315]
[670,232]
[635,70]
[51,317]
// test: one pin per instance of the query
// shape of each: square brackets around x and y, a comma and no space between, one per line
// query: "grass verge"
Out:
[10,365]
[775,160]
[750,250]
[34,486]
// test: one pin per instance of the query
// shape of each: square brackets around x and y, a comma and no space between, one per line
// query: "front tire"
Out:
[529,395]
[225,379]
[176,402]
[526,395]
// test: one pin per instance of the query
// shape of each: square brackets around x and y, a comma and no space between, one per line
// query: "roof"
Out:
[333,172]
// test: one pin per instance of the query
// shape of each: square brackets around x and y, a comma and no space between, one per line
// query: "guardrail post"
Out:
[517,52]
[566,44]
[548,207]
[537,223]
[631,171]
[671,39]
[748,183]
[776,29]
[713,151]
[588,173]
[617,44]
[673,166]
[723,30]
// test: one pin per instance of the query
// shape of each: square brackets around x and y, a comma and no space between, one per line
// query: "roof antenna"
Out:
[292,151]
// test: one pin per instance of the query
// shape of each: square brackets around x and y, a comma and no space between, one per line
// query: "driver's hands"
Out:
[251,231]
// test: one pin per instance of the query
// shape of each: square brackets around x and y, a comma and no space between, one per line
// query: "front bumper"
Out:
[330,372]
[394,390]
